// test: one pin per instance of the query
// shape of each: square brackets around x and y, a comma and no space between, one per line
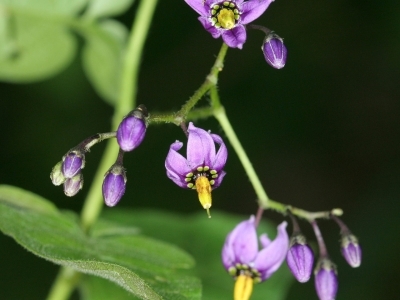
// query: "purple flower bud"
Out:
[56,175]
[275,51]
[351,250]
[114,185]
[73,162]
[326,282]
[132,129]
[300,258]
[73,185]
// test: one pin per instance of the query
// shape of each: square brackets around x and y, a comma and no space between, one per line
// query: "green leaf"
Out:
[95,288]
[60,7]
[203,238]
[145,267]
[107,8]
[102,57]
[32,48]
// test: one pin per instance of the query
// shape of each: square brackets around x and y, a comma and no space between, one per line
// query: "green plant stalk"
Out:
[63,285]
[264,201]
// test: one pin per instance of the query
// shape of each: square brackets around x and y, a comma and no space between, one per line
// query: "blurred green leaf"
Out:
[145,267]
[32,48]
[203,238]
[59,7]
[107,8]
[102,57]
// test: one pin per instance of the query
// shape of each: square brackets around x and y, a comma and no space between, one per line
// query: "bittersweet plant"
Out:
[89,246]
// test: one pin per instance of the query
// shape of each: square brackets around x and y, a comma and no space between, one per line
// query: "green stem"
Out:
[64,285]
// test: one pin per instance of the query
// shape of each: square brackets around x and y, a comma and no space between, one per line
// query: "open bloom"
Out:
[227,18]
[202,169]
[242,259]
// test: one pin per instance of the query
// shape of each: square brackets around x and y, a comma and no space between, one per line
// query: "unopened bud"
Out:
[351,250]
[73,162]
[56,175]
[132,129]
[275,51]
[114,184]
[300,258]
[73,185]
[326,282]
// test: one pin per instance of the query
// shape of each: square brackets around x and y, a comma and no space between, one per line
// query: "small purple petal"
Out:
[242,242]
[175,162]
[326,282]
[199,6]
[228,256]
[73,185]
[300,259]
[131,132]
[253,9]
[218,180]
[351,250]
[200,147]
[114,185]
[235,37]
[222,154]
[215,32]
[73,162]
[270,258]
[275,52]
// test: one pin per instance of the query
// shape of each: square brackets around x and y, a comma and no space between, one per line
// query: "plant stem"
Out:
[64,285]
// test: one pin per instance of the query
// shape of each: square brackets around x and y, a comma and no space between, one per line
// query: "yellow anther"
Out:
[226,18]
[243,287]
[203,188]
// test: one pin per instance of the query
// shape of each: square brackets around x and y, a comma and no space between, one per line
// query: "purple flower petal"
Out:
[200,147]
[235,37]
[218,180]
[175,162]
[222,154]
[199,6]
[300,259]
[244,241]
[228,256]
[215,32]
[177,179]
[270,258]
[326,283]
[253,9]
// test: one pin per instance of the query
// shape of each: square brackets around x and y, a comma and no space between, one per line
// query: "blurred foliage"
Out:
[323,132]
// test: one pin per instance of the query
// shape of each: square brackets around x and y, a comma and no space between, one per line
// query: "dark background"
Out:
[323,132]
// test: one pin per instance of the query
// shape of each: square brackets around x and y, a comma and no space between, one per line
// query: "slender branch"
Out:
[63,285]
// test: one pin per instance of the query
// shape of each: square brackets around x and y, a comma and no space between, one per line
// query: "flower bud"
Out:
[73,162]
[351,250]
[56,175]
[326,282]
[275,51]
[114,184]
[132,129]
[73,185]
[300,258]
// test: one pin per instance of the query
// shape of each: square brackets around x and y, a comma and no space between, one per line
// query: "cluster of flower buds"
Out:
[230,19]
[248,265]
[300,258]
[130,135]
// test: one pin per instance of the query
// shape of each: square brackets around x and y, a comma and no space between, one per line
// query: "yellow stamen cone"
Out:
[226,18]
[243,288]
[203,188]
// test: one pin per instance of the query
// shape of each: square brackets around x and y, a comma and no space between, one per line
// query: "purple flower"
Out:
[73,162]
[300,258]
[114,184]
[242,259]
[132,129]
[275,52]
[202,169]
[351,250]
[227,18]
[326,282]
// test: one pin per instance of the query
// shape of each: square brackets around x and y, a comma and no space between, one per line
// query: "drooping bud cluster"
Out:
[130,135]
